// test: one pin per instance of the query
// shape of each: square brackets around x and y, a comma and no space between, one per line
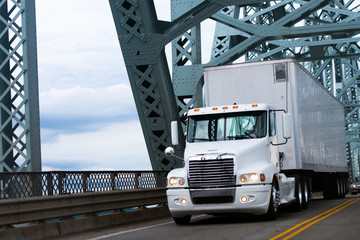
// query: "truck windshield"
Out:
[234,126]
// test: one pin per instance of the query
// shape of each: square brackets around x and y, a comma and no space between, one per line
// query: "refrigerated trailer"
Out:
[269,135]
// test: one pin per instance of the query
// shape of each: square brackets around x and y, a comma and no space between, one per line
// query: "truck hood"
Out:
[237,147]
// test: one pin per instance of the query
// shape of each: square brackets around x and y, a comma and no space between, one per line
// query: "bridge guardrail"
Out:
[16,211]
[31,184]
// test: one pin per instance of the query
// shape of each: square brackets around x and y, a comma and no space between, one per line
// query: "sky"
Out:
[88,117]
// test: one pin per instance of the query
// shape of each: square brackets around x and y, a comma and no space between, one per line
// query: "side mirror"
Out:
[174,133]
[169,151]
[287,125]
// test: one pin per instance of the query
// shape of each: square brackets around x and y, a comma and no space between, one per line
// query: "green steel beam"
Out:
[254,40]
[273,31]
[19,101]
[142,45]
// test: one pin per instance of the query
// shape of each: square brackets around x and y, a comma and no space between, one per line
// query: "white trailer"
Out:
[287,157]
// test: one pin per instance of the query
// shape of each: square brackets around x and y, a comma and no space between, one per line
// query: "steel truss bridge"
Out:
[321,34]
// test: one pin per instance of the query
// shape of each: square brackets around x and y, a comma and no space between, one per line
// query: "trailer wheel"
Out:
[346,187]
[343,187]
[305,192]
[297,205]
[337,187]
[182,220]
[273,210]
[332,189]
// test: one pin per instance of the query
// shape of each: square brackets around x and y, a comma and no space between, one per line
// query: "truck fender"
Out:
[271,173]
[177,172]
[286,188]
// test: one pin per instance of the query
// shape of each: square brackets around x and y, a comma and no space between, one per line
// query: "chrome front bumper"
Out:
[255,198]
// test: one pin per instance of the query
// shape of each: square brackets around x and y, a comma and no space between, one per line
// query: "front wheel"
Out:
[182,220]
[273,210]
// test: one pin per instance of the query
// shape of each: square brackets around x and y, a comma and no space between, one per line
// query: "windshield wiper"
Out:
[200,139]
[239,137]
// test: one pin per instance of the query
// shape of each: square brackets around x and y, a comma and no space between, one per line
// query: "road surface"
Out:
[324,219]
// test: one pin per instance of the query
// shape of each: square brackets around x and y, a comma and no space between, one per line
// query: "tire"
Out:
[342,187]
[297,205]
[332,188]
[327,190]
[337,189]
[273,210]
[305,192]
[182,220]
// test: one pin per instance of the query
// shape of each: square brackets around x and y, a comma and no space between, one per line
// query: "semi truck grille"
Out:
[211,172]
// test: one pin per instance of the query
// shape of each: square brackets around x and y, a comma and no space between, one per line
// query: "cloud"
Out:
[80,108]
[82,102]
[77,45]
[118,146]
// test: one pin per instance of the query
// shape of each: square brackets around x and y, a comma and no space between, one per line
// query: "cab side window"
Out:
[272,125]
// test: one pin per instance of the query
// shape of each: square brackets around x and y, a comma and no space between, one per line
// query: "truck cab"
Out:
[231,163]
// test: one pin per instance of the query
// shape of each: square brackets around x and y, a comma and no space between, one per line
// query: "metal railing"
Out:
[31,184]
[37,209]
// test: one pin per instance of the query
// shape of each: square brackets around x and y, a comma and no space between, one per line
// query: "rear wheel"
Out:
[332,188]
[182,220]
[342,186]
[297,205]
[337,187]
[305,192]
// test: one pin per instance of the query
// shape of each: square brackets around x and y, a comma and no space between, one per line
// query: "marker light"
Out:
[235,107]
[196,110]
[225,108]
[262,177]
[254,105]
[215,108]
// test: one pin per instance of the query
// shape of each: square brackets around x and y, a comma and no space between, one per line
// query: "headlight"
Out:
[252,178]
[353,185]
[243,179]
[176,181]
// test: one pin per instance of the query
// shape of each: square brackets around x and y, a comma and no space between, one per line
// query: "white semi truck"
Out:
[269,135]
